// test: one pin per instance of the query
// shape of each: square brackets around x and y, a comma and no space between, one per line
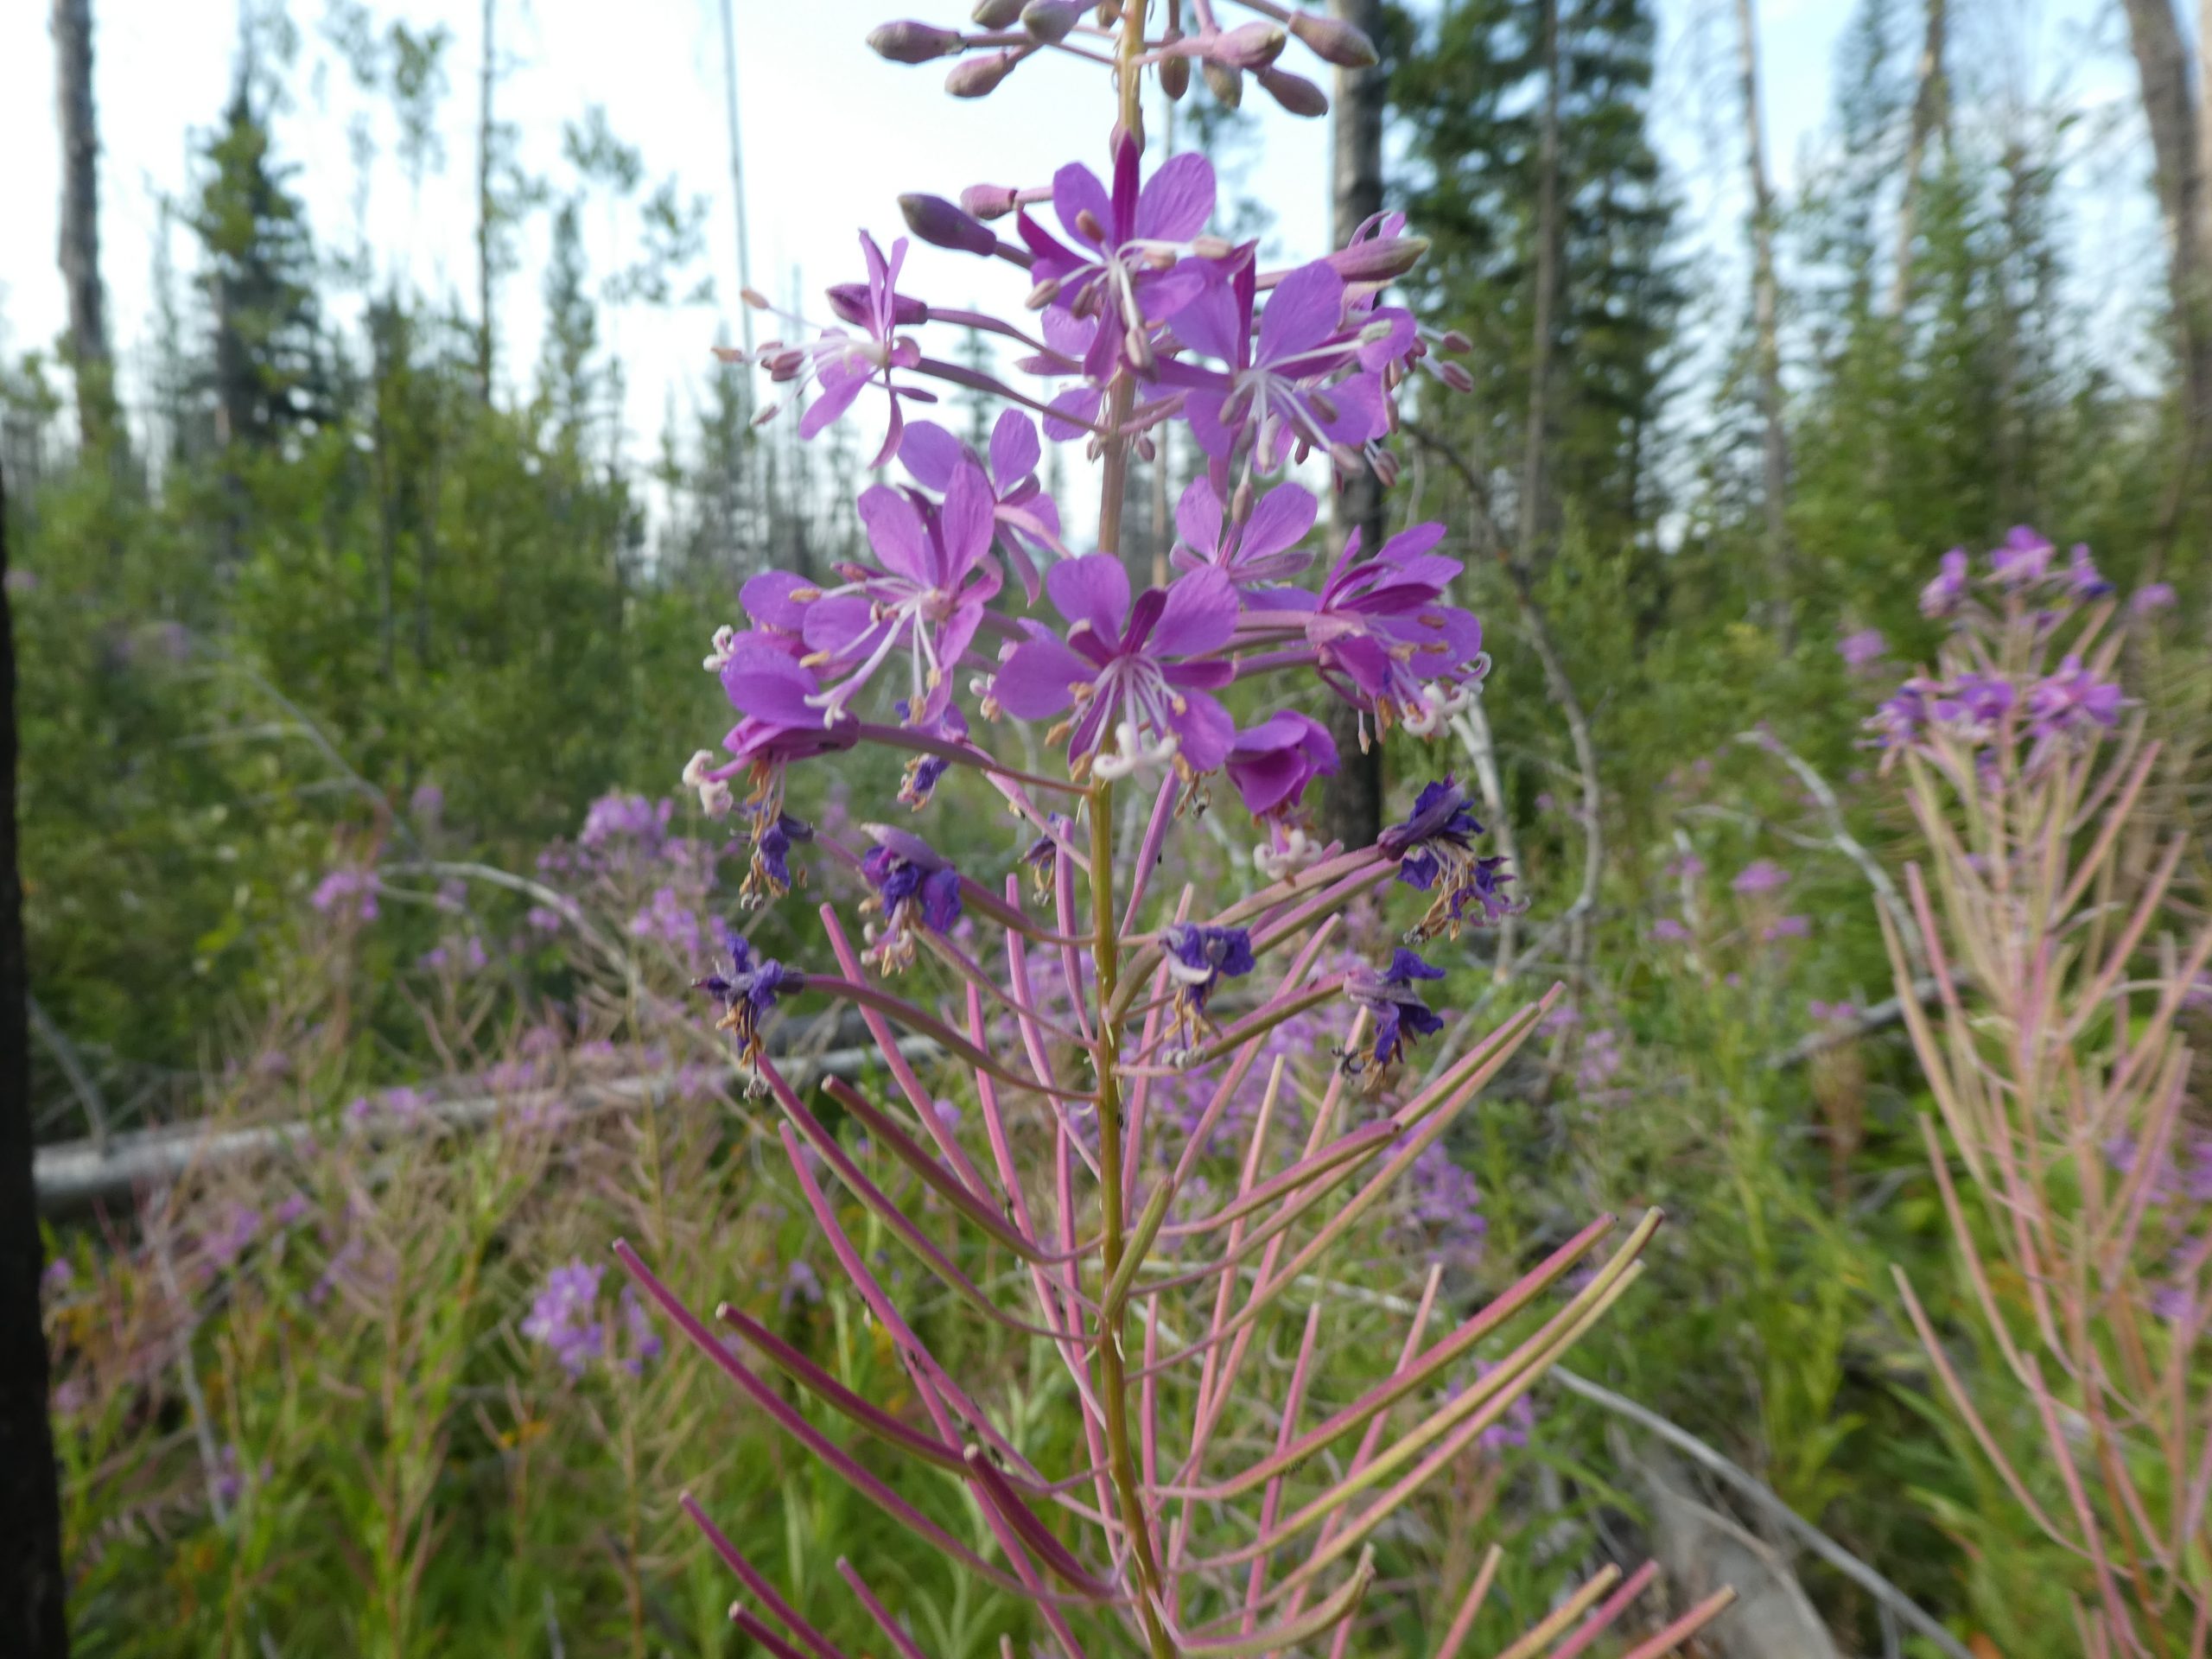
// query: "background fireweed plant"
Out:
[1208,1507]
[2064,960]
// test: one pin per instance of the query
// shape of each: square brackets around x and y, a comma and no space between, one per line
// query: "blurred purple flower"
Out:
[562,1317]
[1943,596]
[1862,650]
[1760,876]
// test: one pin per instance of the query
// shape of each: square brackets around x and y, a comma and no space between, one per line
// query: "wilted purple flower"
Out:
[784,720]
[913,886]
[1863,649]
[925,772]
[1123,668]
[1435,852]
[1399,1010]
[1255,552]
[2024,559]
[1042,854]
[562,1317]
[1200,958]
[747,993]
[1948,591]
[1760,876]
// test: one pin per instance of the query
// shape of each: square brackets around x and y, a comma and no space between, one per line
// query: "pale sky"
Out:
[832,135]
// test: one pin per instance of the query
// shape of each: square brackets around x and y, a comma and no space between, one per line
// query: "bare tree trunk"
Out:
[1766,306]
[2162,68]
[1351,808]
[79,249]
[1544,300]
[485,208]
[737,182]
[1930,114]
[31,1621]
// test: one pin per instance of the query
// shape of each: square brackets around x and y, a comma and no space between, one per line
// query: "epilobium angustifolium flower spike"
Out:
[1114,1039]
[2057,1057]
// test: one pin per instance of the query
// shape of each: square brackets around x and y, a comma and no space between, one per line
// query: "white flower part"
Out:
[695,769]
[1298,853]
[718,659]
[1439,702]
[1131,754]
[716,799]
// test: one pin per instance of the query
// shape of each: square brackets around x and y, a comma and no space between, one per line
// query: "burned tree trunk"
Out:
[487,208]
[80,248]
[1930,115]
[31,1621]
[1352,809]
[2162,67]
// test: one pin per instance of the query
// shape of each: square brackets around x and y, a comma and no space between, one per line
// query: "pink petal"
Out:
[1178,200]
[1033,682]
[966,519]
[1279,521]
[1308,307]
[1076,190]
[1094,589]
[1201,616]
[930,453]
[1014,450]
[1198,516]
[896,532]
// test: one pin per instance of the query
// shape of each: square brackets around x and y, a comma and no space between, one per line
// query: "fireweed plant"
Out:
[2060,1072]
[1176,1529]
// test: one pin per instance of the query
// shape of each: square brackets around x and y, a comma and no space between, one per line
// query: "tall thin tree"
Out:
[1766,308]
[1351,810]
[1931,103]
[1544,297]
[2163,69]
[80,248]
[487,207]
[31,1622]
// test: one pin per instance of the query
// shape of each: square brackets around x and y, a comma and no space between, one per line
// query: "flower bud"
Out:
[1248,45]
[988,201]
[1456,342]
[1146,450]
[1378,259]
[997,14]
[1333,40]
[1049,21]
[1386,467]
[912,43]
[979,77]
[1294,92]
[1455,375]
[851,302]
[1226,85]
[1175,77]
[941,225]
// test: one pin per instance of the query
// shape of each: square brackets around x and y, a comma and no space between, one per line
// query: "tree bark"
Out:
[1543,299]
[1930,114]
[30,1499]
[79,247]
[1766,306]
[1351,807]
[485,208]
[2162,68]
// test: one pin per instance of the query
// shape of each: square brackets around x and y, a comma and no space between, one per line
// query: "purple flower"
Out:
[1863,649]
[1200,958]
[645,1342]
[2083,581]
[625,817]
[2022,561]
[747,993]
[1786,927]
[924,602]
[784,720]
[1943,596]
[561,1316]
[1435,852]
[1249,554]
[842,365]
[1115,668]
[913,885]
[1511,1430]
[1027,520]
[1760,876]
[349,893]
[1042,854]
[1973,706]
[2149,598]
[668,918]
[925,772]
[801,1284]
[1667,931]
[1381,637]
[1441,1209]
[1397,1006]
[1278,393]
[1127,268]
[1272,763]
[2071,697]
